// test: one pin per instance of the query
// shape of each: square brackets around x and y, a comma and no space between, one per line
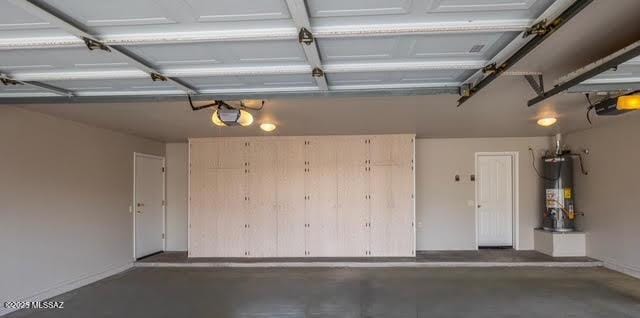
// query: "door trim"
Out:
[164,198]
[515,219]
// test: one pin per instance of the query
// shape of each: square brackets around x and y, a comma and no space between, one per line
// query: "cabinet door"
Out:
[231,209]
[204,155]
[321,203]
[197,212]
[262,214]
[291,192]
[391,149]
[401,227]
[381,209]
[353,188]
[202,199]
[392,217]
[232,153]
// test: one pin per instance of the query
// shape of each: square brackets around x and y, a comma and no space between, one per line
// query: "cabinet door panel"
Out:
[231,212]
[401,229]
[380,202]
[380,149]
[391,149]
[202,199]
[205,155]
[403,148]
[197,212]
[232,153]
[262,214]
[353,188]
[392,232]
[291,192]
[321,205]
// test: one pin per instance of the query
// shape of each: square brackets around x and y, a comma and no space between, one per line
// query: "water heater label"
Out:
[567,193]
[555,198]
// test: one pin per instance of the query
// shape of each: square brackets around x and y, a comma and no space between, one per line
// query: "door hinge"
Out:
[162,169]
[163,236]
[164,203]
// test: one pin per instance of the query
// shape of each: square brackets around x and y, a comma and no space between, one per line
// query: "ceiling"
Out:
[359,62]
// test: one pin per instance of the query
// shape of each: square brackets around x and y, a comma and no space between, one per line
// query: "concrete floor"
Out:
[483,255]
[431,292]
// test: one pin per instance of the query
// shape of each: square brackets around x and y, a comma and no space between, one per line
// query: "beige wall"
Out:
[65,192]
[445,212]
[609,194]
[177,161]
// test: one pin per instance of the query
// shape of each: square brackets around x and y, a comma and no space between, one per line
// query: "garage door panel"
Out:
[339,8]
[14,18]
[114,86]
[334,13]
[206,11]
[397,78]
[108,13]
[222,54]
[61,59]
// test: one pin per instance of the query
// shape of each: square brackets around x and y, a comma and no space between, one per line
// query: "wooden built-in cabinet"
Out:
[302,196]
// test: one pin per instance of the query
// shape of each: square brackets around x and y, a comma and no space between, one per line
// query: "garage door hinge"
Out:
[540,28]
[317,72]
[490,69]
[9,81]
[305,36]
[157,77]
[95,45]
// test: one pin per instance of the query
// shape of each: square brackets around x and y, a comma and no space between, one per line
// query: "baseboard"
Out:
[624,269]
[70,285]
[312,264]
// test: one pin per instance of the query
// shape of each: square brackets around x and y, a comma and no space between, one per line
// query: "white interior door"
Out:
[148,205]
[494,197]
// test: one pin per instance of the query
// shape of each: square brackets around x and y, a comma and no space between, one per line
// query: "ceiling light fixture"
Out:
[268,127]
[546,122]
[628,102]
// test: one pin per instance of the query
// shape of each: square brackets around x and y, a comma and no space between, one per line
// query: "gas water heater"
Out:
[557,174]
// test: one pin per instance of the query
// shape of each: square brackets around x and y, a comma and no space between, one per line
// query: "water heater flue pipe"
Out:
[558,144]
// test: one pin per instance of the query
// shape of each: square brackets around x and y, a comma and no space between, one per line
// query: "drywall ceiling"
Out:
[433,116]
[499,110]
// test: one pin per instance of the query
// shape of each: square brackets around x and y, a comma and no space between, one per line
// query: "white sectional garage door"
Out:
[245,47]
[302,196]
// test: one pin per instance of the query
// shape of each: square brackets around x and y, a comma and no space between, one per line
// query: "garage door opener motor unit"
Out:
[557,173]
